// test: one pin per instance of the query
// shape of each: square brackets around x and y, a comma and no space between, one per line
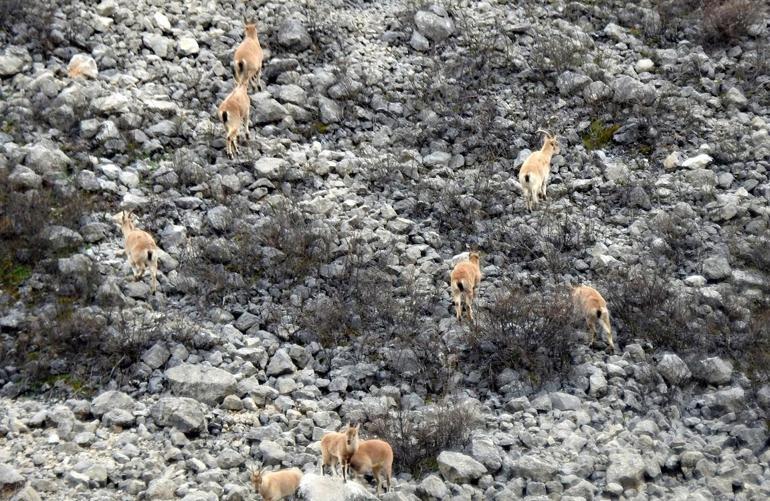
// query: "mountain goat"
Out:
[536,170]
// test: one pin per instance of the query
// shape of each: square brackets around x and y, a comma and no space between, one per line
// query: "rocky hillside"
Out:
[304,283]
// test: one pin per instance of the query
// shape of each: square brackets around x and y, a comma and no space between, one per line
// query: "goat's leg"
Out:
[469,303]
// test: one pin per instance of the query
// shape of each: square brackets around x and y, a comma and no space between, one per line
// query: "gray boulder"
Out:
[10,479]
[673,369]
[10,65]
[459,468]
[571,82]
[564,401]
[184,414]
[534,467]
[205,384]
[432,487]
[330,111]
[631,91]
[626,469]
[293,35]
[483,450]
[714,370]
[314,487]
[281,364]
[156,356]
[110,400]
[434,26]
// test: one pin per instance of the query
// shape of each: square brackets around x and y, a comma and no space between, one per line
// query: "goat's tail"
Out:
[598,313]
[224,117]
[460,286]
[149,255]
[526,178]
[239,66]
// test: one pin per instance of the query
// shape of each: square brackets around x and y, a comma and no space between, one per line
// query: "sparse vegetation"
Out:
[418,437]
[526,332]
[599,135]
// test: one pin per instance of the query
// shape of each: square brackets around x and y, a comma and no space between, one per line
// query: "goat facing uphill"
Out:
[248,58]
[275,485]
[140,248]
[593,307]
[234,112]
[339,447]
[464,279]
[536,170]
[375,457]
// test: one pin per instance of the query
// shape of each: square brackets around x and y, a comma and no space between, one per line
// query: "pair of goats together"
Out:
[466,276]
[345,448]
[235,109]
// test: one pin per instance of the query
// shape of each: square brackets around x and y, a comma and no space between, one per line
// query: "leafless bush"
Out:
[727,20]
[556,51]
[418,437]
[643,305]
[302,245]
[527,332]
[556,239]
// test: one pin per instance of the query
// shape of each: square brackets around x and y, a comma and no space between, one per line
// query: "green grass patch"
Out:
[12,275]
[598,135]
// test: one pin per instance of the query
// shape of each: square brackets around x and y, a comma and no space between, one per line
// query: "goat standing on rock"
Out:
[248,58]
[375,457]
[234,112]
[536,169]
[276,485]
[592,305]
[464,280]
[140,248]
[339,447]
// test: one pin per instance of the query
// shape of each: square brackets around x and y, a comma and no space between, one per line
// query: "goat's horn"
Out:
[544,132]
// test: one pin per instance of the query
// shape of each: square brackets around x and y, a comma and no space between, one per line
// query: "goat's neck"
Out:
[547,150]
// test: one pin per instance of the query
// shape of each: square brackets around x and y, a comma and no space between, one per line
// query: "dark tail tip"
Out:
[149,255]
[526,178]
[598,313]
[240,66]
[224,117]
[460,286]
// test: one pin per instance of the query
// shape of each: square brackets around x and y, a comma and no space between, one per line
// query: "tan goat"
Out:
[248,58]
[275,485]
[374,456]
[592,305]
[338,448]
[234,112]
[464,280]
[536,170]
[140,248]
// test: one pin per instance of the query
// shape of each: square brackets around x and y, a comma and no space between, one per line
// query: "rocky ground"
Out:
[303,284]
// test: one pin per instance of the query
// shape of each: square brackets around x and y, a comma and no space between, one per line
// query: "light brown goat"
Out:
[375,457]
[536,170]
[275,485]
[593,307]
[248,58]
[338,448]
[140,248]
[464,279]
[234,112]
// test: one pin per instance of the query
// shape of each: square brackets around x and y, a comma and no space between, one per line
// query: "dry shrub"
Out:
[418,437]
[525,332]
[643,305]
[303,245]
[728,20]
